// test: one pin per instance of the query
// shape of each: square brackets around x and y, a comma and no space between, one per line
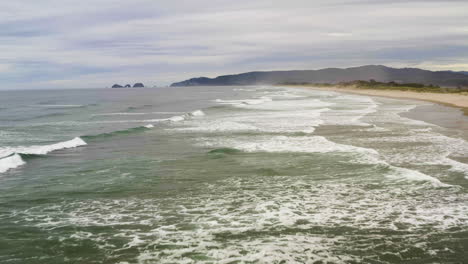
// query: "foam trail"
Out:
[314,144]
[118,114]
[165,113]
[149,126]
[413,175]
[10,162]
[176,119]
[134,114]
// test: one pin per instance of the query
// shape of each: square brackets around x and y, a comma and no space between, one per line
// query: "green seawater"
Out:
[227,175]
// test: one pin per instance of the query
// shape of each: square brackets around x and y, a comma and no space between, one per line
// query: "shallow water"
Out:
[227,175]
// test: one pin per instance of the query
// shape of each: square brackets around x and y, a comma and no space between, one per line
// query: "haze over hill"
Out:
[334,75]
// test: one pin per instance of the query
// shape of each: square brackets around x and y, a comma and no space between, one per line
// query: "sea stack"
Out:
[128,86]
[138,85]
[117,86]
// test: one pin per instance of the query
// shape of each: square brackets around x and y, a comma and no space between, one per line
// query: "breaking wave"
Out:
[13,158]
[318,144]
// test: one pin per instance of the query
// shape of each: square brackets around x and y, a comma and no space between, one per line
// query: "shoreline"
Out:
[458,101]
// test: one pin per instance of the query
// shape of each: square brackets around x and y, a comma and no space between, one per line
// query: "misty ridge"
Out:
[378,73]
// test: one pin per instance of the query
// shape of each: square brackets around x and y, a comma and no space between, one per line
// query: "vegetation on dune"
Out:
[372,84]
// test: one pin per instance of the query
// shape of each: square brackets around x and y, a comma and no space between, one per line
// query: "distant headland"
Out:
[378,73]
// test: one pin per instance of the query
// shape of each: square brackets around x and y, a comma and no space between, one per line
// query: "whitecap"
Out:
[197,113]
[10,162]
[42,150]
[176,118]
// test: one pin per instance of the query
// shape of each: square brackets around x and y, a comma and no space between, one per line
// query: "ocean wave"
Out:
[219,126]
[197,113]
[178,118]
[244,102]
[313,144]
[135,114]
[60,106]
[413,175]
[173,119]
[44,149]
[302,121]
[319,144]
[119,114]
[167,113]
[119,132]
[12,155]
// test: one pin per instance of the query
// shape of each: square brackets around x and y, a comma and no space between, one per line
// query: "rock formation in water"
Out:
[117,86]
[128,86]
[138,85]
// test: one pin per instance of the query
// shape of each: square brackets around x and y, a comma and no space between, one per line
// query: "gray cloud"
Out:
[95,43]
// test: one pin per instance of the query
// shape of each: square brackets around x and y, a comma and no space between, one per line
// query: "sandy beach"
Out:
[449,99]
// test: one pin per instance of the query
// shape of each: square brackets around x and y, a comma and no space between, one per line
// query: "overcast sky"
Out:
[96,43]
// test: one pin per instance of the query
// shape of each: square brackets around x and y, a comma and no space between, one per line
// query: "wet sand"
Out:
[444,116]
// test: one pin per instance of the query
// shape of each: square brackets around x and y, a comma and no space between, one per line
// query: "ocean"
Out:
[228,175]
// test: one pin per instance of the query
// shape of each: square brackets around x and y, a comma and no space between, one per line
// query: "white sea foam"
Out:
[350,110]
[426,147]
[413,175]
[168,113]
[10,162]
[264,220]
[244,102]
[149,126]
[265,121]
[275,116]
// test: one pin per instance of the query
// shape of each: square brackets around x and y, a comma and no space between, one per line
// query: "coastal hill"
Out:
[335,75]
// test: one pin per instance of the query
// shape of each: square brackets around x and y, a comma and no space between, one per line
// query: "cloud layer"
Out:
[77,44]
